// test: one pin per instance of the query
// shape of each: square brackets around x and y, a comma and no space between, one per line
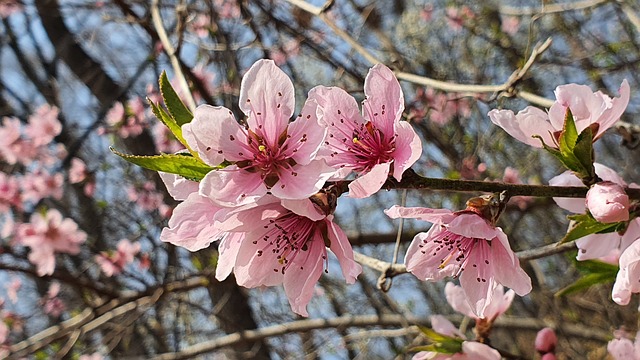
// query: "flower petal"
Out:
[192,224]
[408,149]
[302,181]
[307,133]
[341,247]
[369,183]
[385,102]
[303,274]
[506,266]
[267,97]
[228,253]
[212,129]
[528,122]
[232,186]
[178,187]
[426,214]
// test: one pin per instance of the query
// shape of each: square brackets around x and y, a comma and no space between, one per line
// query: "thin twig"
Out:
[464,89]
[171,53]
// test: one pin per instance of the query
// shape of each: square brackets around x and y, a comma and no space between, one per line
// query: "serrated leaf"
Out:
[180,113]
[586,282]
[585,225]
[569,134]
[184,165]
[166,119]
[583,152]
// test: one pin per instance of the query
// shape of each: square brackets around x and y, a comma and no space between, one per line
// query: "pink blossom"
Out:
[201,25]
[12,290]
[284,243]
[624,349]
[463,244]
[77,171]
[43,125]
[628,275]
[9,7]
[471,350]
[112,263]
[374,146]
[4,333]
[546,341]
[129,121]
[164,140]
[270,155]
[596,246]
[8,226]
[40,184]
[178,187]
[607,202]
[52,304]
[586,106]
[510,25]
[12,147]
[193,224]
[9,192]
[146,196]
[497,302]
[46,234]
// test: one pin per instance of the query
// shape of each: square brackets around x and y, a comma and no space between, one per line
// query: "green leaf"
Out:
[569,135]
[184,165]
[166,119]
[596,272]
[585,225]
[176,107]
[586,282]
[439,343]
[583,152]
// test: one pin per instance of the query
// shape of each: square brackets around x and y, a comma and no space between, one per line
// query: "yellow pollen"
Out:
[262,148]
[282,260]
[356,140]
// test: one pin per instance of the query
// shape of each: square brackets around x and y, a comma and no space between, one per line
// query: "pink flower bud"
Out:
[608,202]
[548,356]
[546,341]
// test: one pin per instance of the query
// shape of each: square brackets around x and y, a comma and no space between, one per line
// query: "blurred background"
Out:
[85,69]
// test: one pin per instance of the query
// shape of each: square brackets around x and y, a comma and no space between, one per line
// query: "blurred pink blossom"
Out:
[52,304]
[498,301]
[9,193]
[227,9]
[546,341]
[12,289]
[627,279]
[40,184]
[94,356]
[47,234]
[623,348]
[77,171]
[10,7]
[113,262]
[43,125]
[510,25]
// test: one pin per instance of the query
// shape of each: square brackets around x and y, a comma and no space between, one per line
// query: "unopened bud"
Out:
[608,203]
[546,341]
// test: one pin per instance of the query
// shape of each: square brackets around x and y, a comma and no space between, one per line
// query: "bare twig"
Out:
[171,53]
[463,89]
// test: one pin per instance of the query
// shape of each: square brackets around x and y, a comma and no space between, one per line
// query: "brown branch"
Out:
[573,330]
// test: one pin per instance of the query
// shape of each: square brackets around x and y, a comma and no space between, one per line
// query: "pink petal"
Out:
[426,214]
[385,102]
[302,181]
[212,129]
[303,274]
[419,260]
[232,186]
[477,279]
[256,265]
[369,183]
[304,208]
[341,247]
[472,225]
[458,300]
[478,351]
[528,122]
[506,266]
[595,246]
[306,127]
[408,149]
[608,202]
[568,179]
[617,108]
[442,325]
[192,224]
[267,97]
[178,187]
[621,349]
[228,253]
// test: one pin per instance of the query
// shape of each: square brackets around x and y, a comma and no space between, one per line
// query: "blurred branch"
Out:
[551,8]
[531,324]
[464,89]
[171,53]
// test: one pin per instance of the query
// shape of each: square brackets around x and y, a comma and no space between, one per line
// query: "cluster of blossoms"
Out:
[269,204]
[606,199]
